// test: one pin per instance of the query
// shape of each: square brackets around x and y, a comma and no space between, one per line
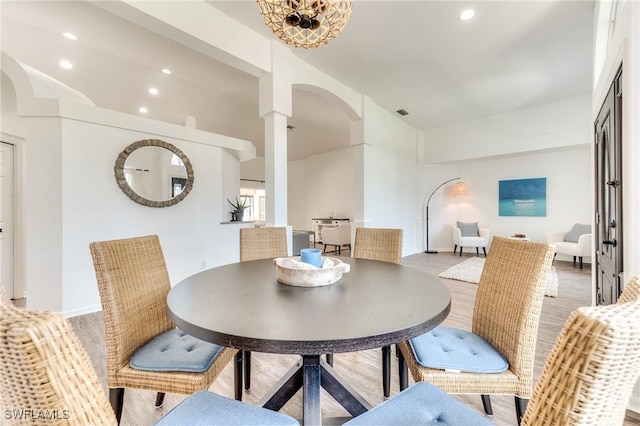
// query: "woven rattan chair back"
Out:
[592,369]
[509,301]
[45,369]
[507,314]
[262,243]
[631,291]
[133,283]
[383,244]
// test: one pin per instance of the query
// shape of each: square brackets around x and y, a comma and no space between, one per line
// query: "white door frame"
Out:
[19,287]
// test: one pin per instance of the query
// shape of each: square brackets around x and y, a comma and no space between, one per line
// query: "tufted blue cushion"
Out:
[450,348]
[175,350]
[207,408]
[421,404]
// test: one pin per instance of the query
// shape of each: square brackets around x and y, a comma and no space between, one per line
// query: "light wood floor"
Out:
[362,369]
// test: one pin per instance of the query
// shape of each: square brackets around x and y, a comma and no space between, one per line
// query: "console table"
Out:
[319,222]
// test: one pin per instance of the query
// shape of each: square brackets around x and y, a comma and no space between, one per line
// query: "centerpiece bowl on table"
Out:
[292,271]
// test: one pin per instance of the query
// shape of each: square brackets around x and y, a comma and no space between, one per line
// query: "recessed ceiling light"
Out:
[167,71]
[66,64]
[143,110]
[467,14]
[70,36]
[153,91]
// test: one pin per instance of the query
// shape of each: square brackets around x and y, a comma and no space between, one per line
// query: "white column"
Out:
[275,168]
[275,108]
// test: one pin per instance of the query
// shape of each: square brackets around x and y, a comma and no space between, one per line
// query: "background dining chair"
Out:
[44,367]
[497,356]
[133,283]
[256,244]
[385,245]
[336,235]
[587,379]
[262,243]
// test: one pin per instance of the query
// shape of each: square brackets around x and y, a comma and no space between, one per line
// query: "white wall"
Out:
[443,208]
[94,208]
[71,197]
[551,126]
[515,145]
[389,173]
[318,185]
[568,195]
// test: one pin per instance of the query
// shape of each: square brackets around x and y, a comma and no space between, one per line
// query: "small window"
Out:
[176,161]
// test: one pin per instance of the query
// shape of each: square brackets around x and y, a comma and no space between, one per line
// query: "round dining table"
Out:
[374,305]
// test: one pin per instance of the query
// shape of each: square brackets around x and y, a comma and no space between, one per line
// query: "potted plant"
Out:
[238,208]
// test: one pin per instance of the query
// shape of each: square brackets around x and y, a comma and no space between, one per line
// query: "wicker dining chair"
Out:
[385,245]
[587,379]
[46,376]
[256,244]
[505,323]
[592,369]
[262,243]
[133,283]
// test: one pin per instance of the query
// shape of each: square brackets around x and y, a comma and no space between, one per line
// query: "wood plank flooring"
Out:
[362,369]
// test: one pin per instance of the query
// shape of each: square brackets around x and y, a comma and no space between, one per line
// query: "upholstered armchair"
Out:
[338,236]
[470,235]
[576,242]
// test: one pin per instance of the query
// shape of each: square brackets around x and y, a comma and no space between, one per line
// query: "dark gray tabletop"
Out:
[242,305]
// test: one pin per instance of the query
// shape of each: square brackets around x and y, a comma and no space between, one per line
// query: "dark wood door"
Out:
[608,201]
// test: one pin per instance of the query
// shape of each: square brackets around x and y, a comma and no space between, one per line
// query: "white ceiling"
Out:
[415,55]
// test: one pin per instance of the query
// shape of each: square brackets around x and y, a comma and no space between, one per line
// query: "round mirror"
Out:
[154,173]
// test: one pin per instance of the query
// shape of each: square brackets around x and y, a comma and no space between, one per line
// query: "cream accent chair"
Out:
[338,236]
[482,240]
[579,249]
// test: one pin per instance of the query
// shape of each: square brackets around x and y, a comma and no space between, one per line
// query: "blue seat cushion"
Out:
[207,408]
[421,404]
[175,350]
[449,348]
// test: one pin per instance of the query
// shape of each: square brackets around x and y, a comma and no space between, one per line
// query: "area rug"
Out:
[471,269]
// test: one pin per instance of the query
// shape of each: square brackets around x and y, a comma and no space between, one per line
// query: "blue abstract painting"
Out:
[523,197]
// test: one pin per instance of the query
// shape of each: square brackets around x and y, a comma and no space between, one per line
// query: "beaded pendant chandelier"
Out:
[305,23]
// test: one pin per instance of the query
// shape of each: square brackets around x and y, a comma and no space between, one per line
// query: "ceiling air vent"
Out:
[402,112]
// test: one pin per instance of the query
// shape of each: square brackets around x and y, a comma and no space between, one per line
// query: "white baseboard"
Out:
[82,311]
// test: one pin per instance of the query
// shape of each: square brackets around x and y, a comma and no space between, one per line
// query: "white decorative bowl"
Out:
[291,271]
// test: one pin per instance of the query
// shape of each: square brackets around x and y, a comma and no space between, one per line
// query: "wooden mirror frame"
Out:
[122,181]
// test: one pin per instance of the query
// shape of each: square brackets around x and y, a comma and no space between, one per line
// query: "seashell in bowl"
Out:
[291,271]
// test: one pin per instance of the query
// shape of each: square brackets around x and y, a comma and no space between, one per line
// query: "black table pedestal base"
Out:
[311,373]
